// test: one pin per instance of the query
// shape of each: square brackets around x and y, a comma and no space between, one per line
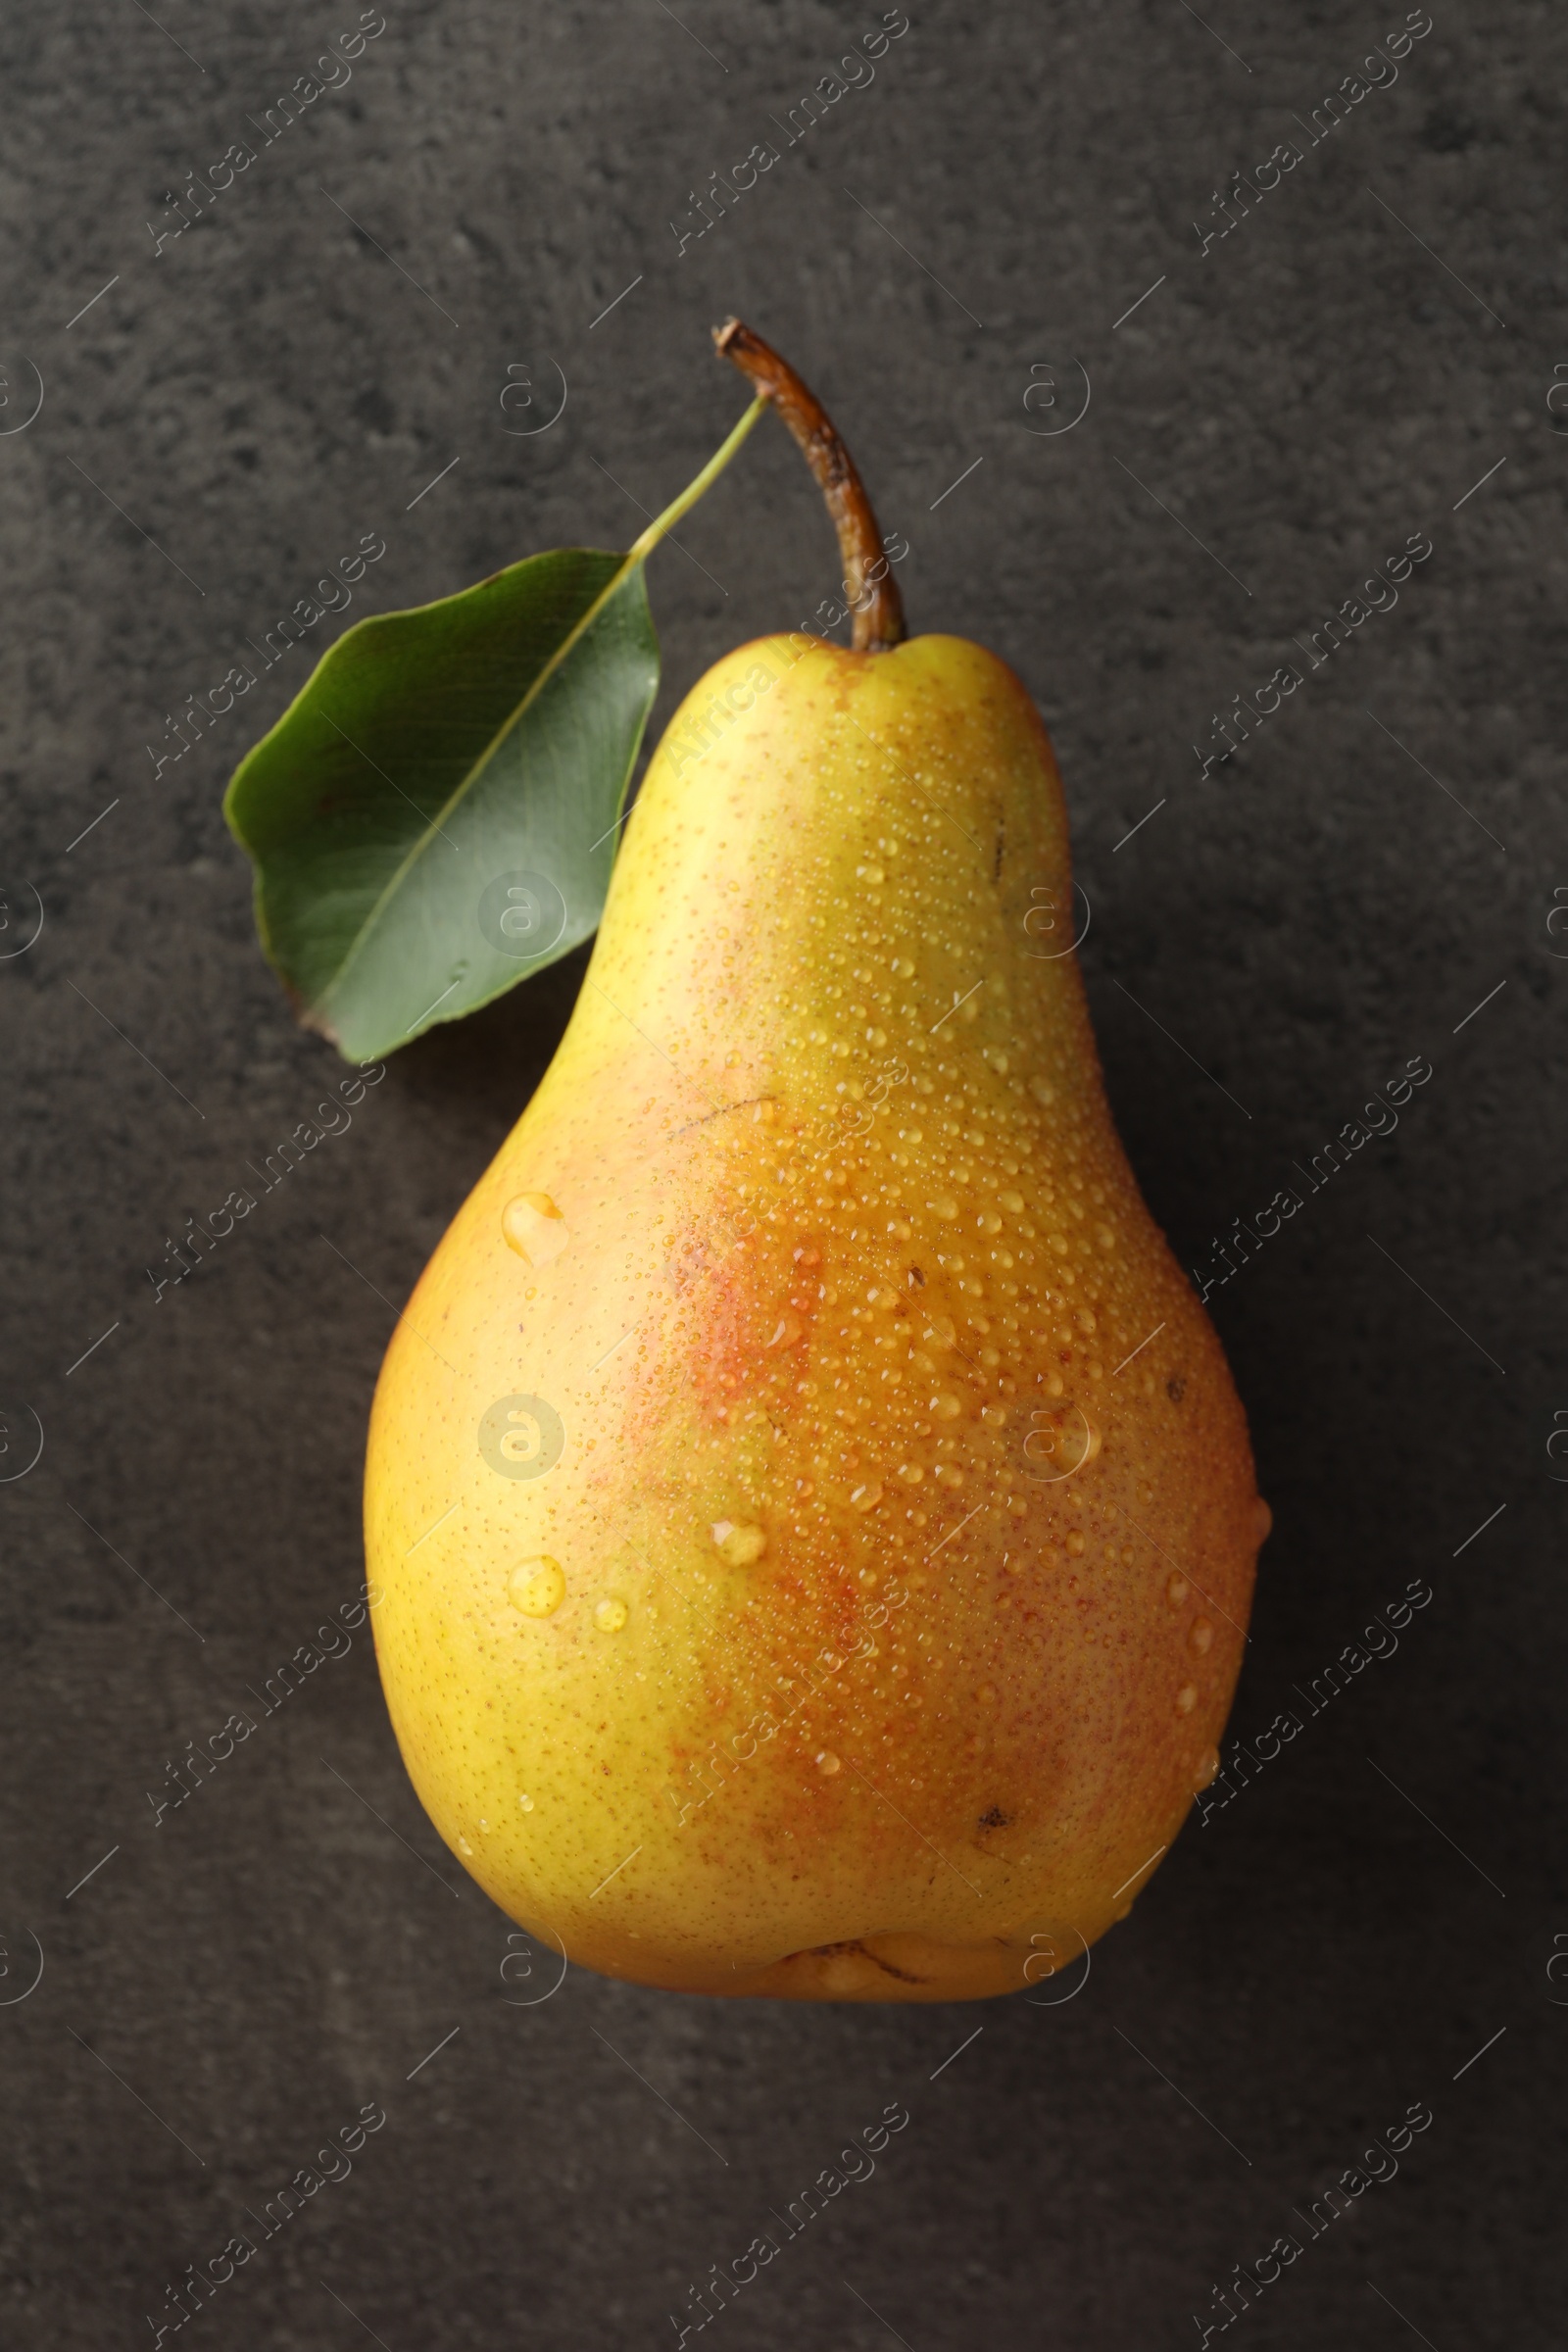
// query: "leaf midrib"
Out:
[395,880]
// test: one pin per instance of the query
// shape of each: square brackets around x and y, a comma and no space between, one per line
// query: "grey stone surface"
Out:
[1281,413]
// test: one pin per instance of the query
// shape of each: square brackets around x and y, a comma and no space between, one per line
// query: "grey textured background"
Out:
[230,1986]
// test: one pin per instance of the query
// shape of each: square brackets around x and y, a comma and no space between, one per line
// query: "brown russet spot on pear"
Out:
[927,1567]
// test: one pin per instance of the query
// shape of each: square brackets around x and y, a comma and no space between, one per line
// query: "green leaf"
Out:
[434,817]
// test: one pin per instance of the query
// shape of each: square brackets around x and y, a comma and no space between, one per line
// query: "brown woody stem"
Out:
[868,581]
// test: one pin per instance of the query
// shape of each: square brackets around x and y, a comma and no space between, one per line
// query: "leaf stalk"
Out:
[663,524]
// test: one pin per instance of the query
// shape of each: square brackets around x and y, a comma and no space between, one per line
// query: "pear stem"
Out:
[869,584]
[663,524]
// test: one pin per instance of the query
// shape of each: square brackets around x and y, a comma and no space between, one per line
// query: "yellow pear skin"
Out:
[814,1521]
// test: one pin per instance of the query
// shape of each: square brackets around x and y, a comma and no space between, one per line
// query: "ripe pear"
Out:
[813,1518]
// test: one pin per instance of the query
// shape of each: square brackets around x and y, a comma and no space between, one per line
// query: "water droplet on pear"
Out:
[534,1227]
[537,1587]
